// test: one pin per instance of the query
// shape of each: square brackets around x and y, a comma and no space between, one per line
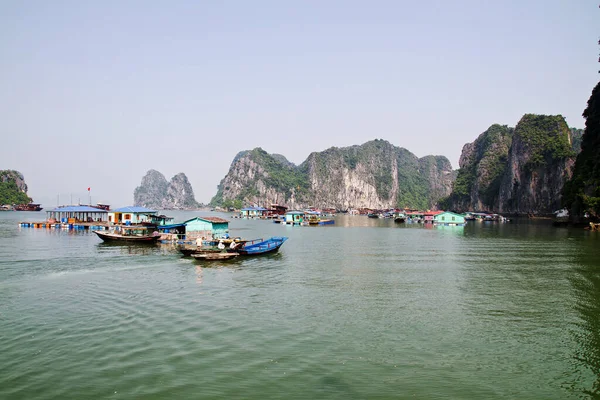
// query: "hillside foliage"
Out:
[10,192]
[481,175]
[375,163]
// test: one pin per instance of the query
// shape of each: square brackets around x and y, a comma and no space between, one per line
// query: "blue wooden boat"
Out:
[261,246]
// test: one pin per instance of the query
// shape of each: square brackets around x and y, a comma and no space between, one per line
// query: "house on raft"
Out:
[137,215]
[449,218]
[75,214]
[294,217]
[206,227]
[253,212]
[429,216]
[276,209]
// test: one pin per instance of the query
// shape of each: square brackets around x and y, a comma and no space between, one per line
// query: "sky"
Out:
[96,93]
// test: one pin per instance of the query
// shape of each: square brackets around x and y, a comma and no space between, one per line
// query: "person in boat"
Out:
[233,245]
[198,242]
[221,245]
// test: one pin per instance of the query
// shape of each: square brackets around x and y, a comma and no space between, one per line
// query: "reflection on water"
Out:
[586,285]
[199,274]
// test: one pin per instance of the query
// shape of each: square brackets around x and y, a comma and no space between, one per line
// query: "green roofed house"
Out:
[449,218]
[294,217]
[207,227]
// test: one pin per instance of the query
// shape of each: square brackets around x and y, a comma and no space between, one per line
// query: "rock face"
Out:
[482,166]
[155,192]
[540,161]
[516,171]
[582,192]
[374,175]
[13,189]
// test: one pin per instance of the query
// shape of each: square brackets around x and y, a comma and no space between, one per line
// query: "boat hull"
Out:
[112,237]
[211,256]
[259,246]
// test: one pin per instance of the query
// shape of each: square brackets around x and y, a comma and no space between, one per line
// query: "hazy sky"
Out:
[96,93]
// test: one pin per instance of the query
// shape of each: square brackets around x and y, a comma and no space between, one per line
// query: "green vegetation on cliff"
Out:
[340,177]
[281,175]
[480,176]
[546,138]
[10,192]
[582,192]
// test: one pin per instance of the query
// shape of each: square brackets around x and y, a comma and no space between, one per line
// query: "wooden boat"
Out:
[190,250]
[261,246]
[130,234]
[28,207]
[238,242]
[213,256]
[400,218]
[320,221]
[373,215]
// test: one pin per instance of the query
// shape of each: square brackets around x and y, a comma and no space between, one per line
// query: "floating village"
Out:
[207,237]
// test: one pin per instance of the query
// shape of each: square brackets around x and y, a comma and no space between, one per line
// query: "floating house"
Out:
[276,209]
[73,214]
[207,227]
[449,218]
[294,217]
[253,212]
[131,215]
[429,216]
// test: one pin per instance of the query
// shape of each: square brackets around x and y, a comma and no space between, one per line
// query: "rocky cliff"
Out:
[540,161]
[582,192]
[155,192]
[13,189]
[373,175]
[516,171]
[482,166]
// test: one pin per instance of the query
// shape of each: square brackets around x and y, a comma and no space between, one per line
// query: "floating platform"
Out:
[66,225]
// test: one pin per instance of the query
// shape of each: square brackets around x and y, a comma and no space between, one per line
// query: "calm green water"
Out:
[361,310]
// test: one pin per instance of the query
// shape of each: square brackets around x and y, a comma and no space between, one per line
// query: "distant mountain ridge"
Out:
[375,175]
[155,192]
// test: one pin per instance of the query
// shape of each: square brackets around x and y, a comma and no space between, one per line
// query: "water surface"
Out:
[361,309]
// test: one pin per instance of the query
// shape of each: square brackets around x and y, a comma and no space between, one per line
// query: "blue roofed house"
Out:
[252,212]
[131,215]
[449,218]
[73,214]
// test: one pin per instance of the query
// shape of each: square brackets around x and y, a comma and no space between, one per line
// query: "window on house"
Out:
[443,218]
[127,216]
[452,218]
